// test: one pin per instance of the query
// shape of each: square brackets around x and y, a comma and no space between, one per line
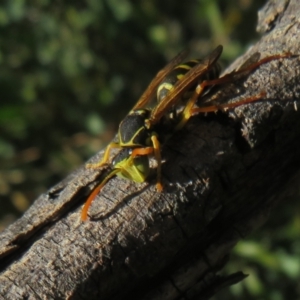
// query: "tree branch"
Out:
[222,176]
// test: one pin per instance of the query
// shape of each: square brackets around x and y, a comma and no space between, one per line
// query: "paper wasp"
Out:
[140,133]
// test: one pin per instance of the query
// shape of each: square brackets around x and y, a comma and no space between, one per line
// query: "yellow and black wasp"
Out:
[140,133]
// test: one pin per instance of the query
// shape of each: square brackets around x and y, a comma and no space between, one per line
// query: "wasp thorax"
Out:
[132,130]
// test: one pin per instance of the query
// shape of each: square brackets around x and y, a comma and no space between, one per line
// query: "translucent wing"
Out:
[151,89]
[254,58]
[181,86]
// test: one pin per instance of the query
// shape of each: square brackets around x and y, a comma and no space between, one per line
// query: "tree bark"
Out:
[222,176]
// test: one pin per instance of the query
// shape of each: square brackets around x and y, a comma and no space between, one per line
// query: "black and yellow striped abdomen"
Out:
[180,71]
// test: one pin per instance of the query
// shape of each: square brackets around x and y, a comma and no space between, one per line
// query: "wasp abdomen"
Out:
[180,71]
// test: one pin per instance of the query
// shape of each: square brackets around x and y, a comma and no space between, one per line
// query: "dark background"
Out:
[71,70]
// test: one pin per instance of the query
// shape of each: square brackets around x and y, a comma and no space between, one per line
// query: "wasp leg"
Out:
[244,69]
[142,151]
[157,149]
[214,108]
[149,150]
[187,111]
[249,67]
[95,192]
[105,156]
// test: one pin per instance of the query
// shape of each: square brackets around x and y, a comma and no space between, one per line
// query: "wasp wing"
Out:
[182,85]
[231,77]
[152,88]
[254,58]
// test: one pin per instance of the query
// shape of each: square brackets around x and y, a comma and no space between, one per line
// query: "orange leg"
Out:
[189,110]
[244,69]
[214,108]
[142,151]
[105,156]
[262,61]
[157,148]
[95,192]
[149,150]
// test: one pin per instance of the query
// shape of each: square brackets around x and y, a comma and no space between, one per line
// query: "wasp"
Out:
[141,131]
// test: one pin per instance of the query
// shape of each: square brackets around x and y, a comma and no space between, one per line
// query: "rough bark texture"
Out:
[222,175]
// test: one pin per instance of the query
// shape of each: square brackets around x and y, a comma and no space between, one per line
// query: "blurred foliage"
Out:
[271,258]
[69,72]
